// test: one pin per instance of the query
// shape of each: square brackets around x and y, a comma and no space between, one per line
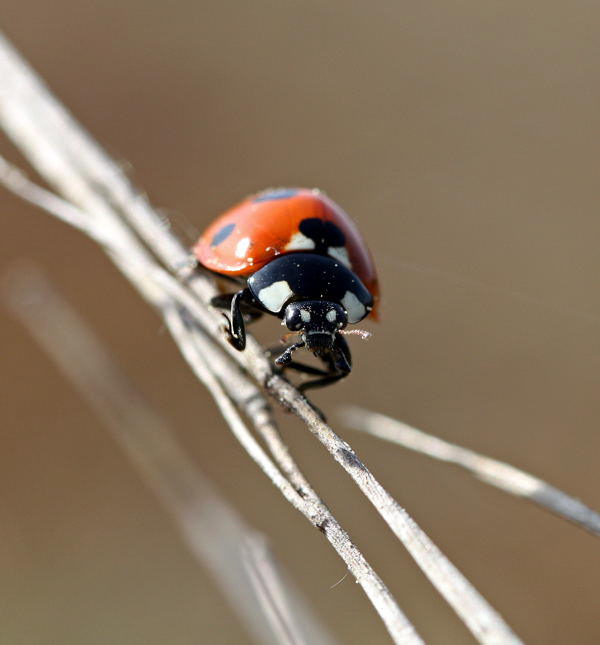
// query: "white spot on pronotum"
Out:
[305,315]
[241,248]
[299,242]
[340,253]
[331,315]
[354,307]
[275,296]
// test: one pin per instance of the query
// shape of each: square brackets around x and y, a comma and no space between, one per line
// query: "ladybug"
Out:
[299,257]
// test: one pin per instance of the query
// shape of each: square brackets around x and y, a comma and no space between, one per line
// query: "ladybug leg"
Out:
[339,365]
[341,355]
[223,301]
[314,371]
[236,328]
[286,357]
[305,369]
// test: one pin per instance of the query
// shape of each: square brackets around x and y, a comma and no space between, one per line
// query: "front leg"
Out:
[305,369]
[286,357]
[236,328]
[342,358]
[339,365]
[223,301]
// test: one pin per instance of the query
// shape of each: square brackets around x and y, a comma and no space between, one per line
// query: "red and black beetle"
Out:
[302,259]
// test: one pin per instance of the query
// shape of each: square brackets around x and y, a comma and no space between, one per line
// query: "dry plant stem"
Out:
[200,353]
[197,355]
[446,578]
[492,471]
[237,556]
[163,291]
[69,159]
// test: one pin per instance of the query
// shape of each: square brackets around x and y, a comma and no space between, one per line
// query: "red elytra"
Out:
[266,225]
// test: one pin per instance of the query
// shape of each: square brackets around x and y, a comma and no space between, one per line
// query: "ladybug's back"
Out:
[286,220]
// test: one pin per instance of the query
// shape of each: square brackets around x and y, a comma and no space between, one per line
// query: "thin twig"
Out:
[69,159]
[492,471]
[310,506]
[236,555]
[163,291]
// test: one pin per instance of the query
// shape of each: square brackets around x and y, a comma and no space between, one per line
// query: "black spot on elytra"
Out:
[222,234]
[323,233]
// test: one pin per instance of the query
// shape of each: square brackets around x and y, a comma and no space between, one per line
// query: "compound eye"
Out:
[293,319]
[337,317]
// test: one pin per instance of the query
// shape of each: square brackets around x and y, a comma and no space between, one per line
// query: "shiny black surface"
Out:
[310,277]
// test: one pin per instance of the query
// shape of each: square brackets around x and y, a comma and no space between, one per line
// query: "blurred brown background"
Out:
[464,137]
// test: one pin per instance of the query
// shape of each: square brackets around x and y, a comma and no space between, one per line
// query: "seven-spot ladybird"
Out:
[302,259]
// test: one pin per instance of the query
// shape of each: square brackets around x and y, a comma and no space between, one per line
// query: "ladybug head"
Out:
[318,321]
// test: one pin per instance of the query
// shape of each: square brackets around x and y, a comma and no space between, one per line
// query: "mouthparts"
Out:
[319,339]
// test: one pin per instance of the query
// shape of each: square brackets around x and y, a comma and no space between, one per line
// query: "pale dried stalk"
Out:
[215,534]
[199,355]
[43,130]
[492,471]
[176,305]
